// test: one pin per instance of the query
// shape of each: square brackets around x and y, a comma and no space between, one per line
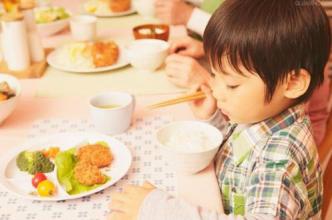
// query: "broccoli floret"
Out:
[42,163]
[33,162]
[24,160]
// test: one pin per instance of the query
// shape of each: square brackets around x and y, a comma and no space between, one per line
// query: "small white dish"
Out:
[144,8]
[147,54]
[8,106]
[19,182]
[112,112]
[190,146]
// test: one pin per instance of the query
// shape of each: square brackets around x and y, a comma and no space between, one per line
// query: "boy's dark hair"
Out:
[271,38]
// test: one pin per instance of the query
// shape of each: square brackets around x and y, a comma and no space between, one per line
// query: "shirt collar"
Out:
[246,138]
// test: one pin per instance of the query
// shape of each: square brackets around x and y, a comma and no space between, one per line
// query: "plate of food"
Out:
[64,166]
[108,8]
[51,20]
[88,57]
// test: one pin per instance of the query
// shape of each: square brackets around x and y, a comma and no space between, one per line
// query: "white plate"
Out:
[116,14]
[20,182]
[112,14]
[53,62]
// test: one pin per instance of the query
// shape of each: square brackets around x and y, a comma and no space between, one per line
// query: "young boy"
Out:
[268,57]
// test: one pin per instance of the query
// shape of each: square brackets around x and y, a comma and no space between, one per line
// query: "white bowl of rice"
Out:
[190,146]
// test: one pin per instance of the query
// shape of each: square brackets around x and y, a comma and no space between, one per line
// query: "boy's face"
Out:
[242,96]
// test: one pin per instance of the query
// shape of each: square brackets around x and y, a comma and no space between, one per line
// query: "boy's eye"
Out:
[212,74]
[232,86]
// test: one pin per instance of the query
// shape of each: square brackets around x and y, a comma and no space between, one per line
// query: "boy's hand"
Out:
[204,108]
[188,46]
[126,205]
[173,11]
[185,71]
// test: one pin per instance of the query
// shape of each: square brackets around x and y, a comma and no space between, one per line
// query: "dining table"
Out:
[58,102]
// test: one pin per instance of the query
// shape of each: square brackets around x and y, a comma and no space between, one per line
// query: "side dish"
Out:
[107,6]
[88,54]
[50,14]
[5,91]
[77,170]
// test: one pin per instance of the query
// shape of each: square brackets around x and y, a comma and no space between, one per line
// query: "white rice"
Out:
[190,140]
[72,56]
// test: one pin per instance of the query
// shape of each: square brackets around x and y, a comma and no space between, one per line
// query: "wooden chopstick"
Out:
[185,98]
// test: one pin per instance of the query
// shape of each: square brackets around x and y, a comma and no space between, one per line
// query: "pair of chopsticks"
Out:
[185,98]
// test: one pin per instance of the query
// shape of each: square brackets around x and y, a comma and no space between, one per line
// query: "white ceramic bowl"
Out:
[147,54]
[51,28]
[144,7]
[83,27]
[190,146]
[8,106]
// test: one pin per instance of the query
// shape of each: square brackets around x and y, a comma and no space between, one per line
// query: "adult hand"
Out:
[125,205]
[174,12]
[188,46]
[185,71]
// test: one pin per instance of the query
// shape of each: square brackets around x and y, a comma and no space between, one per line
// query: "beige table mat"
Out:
[56,83]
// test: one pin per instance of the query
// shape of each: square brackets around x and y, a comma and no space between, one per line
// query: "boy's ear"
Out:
[296,84]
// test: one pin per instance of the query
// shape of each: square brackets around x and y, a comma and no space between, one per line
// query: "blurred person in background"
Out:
[193,14]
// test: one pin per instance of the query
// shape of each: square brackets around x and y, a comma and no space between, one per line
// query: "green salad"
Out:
[48,15]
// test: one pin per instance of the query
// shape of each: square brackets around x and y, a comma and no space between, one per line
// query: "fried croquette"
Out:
[119,5]
[88,174]
[95,154]
[105,53]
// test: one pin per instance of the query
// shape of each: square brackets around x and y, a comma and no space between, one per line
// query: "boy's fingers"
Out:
[118,197]
[148,185]
[131,189]
[194,89]
[115,216]
[206,89]
[117,206]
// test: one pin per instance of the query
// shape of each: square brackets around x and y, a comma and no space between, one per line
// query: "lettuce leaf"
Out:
[65,162]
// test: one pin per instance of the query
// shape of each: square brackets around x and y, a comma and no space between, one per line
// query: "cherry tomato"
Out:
[38,177]
[46,188]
